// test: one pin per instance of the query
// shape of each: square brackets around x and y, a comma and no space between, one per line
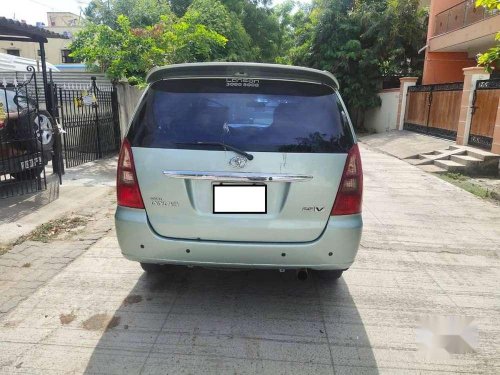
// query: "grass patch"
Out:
[456,176]
[49,231]
[463,182]
[52,229]
[4,249]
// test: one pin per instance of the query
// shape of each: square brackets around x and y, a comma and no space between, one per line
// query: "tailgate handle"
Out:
[237,176]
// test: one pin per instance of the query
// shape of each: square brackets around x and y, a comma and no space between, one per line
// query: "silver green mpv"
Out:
[240,165]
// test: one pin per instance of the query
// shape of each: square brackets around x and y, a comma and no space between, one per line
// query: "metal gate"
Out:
[484,112]
[434,109]
[28,135]
[89,116]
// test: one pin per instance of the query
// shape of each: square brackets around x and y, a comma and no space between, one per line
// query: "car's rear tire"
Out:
[329,274]
[40,123]
[151,267]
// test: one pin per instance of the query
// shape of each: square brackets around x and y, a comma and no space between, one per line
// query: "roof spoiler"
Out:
[243,70]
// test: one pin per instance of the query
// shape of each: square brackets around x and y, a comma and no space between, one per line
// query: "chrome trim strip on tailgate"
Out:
[237,176]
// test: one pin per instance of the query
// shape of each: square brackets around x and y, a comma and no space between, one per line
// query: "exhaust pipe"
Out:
[302,274]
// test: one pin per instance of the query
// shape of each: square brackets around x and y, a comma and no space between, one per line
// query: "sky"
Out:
[35,10]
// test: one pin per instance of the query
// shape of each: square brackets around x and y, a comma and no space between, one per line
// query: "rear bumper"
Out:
[139,242]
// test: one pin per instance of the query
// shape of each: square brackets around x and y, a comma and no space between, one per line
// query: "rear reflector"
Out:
[350,195]
[128,193]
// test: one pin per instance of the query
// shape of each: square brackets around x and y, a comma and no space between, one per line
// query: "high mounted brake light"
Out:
[127,187]
[350,195]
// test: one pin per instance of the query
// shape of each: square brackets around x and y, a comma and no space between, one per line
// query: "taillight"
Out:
[350,194]
[127,188]
[2,124]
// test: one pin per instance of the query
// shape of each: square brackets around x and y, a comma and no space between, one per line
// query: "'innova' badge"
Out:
[238,162]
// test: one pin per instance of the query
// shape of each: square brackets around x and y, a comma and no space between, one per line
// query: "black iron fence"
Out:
[44,129]
[89,116]
[59,79]
[27,137]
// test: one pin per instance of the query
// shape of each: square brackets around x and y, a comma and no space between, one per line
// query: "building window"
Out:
[66,59]
[13,52]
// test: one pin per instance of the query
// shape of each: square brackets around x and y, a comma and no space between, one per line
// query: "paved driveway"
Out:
[428,248]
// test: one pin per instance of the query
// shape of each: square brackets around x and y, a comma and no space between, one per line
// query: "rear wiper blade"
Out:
[223,145]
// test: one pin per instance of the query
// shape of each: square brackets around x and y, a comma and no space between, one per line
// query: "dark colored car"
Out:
[26,136]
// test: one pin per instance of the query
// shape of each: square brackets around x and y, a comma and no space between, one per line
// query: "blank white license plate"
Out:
[241,199]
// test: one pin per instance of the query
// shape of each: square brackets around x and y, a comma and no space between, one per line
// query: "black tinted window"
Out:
[252,115]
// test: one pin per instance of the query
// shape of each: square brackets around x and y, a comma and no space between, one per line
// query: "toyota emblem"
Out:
[238,162]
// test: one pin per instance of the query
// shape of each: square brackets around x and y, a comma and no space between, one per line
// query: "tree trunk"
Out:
[360,119]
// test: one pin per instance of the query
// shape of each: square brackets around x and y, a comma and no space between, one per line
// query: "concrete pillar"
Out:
[495,148]
[471,76]
[405,82]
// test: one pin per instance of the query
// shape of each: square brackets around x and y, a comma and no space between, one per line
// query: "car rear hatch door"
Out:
[296,135]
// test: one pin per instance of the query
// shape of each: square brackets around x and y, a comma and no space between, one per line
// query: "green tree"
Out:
[401,41]
[179,7]
[251,26]
[490,59]
[361,42]
[127,52]
[260,23]
[304,23]
[489,4]
[141,13]
[345,42]
[285,18]
[215,16]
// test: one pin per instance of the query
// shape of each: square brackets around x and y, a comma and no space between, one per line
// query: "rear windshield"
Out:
[252,115]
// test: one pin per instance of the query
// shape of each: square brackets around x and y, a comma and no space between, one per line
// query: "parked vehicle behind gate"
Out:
[26,135]
[240,165]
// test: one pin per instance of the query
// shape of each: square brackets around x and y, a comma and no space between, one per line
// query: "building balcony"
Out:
[464,28]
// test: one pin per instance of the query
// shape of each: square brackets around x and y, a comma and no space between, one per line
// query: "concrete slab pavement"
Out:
[404,144]
[29,265]
[428,248]
[82,186]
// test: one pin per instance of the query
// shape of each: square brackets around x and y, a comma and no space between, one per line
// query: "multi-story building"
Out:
[457,100]
[56,50]
[457,32]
